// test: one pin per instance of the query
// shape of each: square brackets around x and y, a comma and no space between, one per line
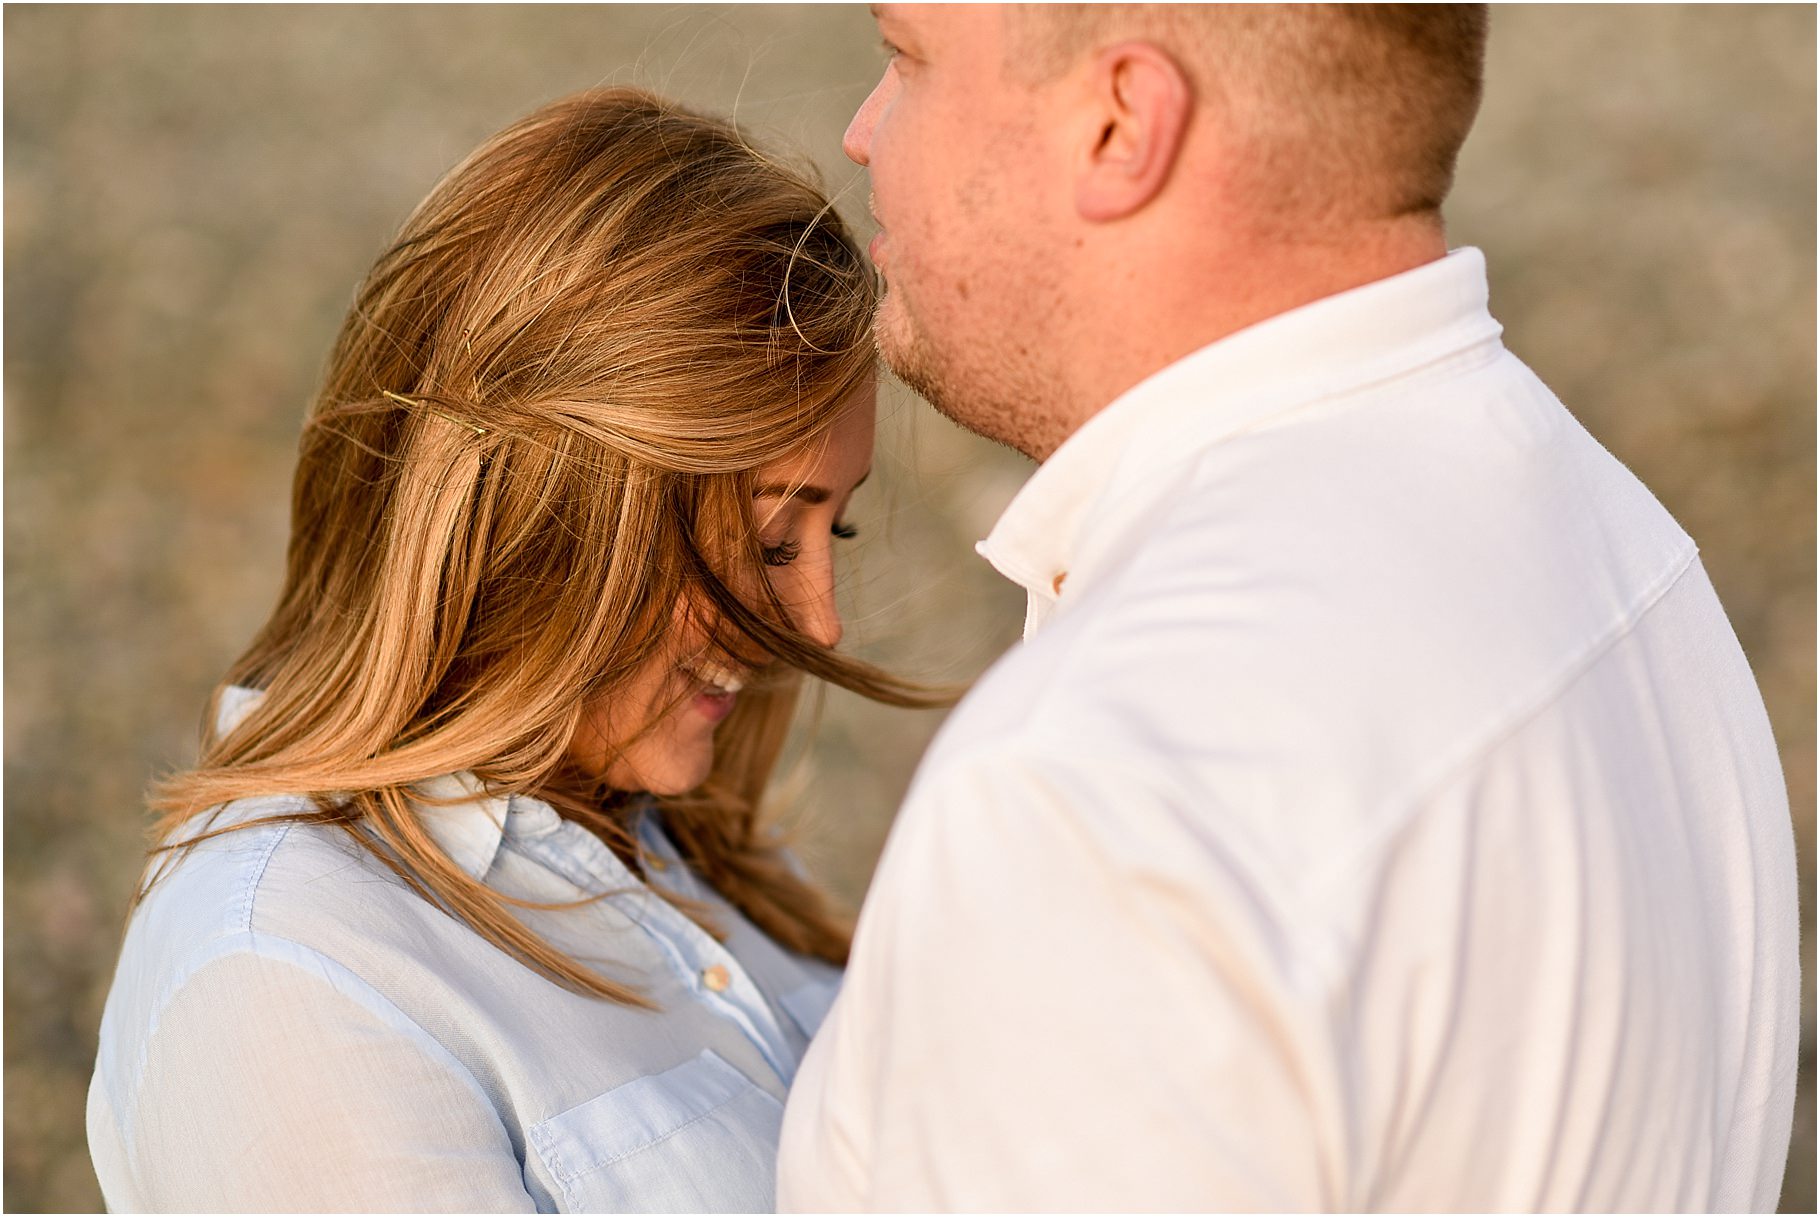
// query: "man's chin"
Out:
[967,401]
[891,334]
[902,349]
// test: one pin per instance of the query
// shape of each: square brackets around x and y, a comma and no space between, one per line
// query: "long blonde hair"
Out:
[536,438]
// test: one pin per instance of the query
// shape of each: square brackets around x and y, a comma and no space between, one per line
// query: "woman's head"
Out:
[657,731]
[582,449]
[527,489]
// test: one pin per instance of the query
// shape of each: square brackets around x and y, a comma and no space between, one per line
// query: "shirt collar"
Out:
[462,817]
[466,822]
[1346,341]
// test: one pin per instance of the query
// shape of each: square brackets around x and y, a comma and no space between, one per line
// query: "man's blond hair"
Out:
[1333,113]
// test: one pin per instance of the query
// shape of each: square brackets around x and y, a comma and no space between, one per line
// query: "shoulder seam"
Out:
[257,875]
[1321,938]
[1397,811]
[279,949]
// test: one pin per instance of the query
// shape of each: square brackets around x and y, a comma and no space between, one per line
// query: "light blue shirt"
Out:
[292,1028]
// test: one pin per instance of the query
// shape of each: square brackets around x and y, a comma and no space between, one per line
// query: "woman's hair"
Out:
[536,439]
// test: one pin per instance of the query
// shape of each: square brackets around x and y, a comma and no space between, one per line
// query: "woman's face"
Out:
[800,505]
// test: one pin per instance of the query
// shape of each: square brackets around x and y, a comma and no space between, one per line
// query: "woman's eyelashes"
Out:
[788,551]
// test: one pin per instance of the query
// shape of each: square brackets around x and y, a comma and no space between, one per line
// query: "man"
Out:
[1380,813]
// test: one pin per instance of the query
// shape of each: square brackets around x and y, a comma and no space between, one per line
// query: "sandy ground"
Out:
[192,193]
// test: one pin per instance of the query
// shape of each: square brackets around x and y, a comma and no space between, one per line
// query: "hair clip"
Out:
[402,400]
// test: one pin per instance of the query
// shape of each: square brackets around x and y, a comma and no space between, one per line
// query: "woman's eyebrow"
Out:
[814,496]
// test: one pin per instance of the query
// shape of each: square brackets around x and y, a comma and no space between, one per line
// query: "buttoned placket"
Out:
[705,967]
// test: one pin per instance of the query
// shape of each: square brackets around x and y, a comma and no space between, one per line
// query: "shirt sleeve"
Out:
[1060,999]
[286,1084]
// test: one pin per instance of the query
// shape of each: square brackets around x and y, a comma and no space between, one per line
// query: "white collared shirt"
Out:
[1380,814]
[290,1028]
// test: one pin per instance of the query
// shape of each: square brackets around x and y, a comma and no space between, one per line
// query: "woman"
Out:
[468,903]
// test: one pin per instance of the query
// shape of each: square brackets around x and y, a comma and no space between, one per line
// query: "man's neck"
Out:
[1167,315]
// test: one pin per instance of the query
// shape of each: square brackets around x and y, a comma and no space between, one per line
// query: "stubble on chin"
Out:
[902,350]
[979,389]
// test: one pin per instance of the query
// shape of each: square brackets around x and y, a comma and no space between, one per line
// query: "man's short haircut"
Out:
[1340,112]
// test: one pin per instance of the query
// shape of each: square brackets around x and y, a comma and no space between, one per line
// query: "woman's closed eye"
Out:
[786,552]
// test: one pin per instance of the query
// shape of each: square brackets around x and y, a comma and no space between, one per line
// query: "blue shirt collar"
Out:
[466,821]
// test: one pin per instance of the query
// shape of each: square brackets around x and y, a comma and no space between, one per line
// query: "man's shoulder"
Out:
[1315,614]
[1431,544]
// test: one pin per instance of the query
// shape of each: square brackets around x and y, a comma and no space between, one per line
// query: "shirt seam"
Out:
[577,1176]
[257,943]
[257,875]
[1399,811]
[1325,940]
[241,924]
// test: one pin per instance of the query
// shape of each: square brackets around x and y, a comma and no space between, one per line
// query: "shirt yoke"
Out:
[1323,620]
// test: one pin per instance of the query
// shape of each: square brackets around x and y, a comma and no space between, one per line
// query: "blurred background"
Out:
[192,193]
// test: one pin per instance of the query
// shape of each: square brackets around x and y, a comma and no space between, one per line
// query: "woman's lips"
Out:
[719,688]
[714,704]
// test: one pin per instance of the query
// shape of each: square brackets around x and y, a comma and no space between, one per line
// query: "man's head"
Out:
[1072,196]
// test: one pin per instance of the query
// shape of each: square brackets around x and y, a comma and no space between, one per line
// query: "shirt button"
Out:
[1060,578]
[656,863]
[716,978]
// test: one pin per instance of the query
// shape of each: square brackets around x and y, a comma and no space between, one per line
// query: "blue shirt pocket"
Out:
[696,1138]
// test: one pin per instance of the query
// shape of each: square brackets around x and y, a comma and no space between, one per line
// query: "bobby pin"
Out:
[402,400]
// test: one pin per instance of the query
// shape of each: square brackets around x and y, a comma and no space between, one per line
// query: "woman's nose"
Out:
[821,621]
[817,615]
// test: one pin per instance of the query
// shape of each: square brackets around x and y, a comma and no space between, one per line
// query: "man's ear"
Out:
[1143,101]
